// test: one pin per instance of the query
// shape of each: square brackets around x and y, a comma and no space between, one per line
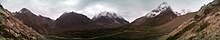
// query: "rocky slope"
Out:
[109,20]
[12,29]
[204,26]
[41,24]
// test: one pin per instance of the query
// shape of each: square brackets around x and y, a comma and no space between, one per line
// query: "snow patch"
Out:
[162,7]
[108,14]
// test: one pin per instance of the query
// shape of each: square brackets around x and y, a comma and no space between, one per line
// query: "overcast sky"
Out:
[128,9]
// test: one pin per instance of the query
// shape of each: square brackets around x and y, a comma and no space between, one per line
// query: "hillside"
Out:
[204,26]
[13,29]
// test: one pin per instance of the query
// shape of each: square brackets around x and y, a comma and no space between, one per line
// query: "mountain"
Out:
[161,23]
[69,24]
[163,7]
[47,22]
[39,23]
[204,26]
[144,28]
[157,17]
[13,29]
[109,20]
[74,21]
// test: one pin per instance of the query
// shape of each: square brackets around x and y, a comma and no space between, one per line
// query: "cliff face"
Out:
[12,29]
[204,26]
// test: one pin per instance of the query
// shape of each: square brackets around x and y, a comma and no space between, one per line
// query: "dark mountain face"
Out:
[39,23]
[73,24]
[74,21]
[109,20]
[46,21]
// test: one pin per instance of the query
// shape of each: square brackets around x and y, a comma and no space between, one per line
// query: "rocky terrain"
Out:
[204,26]
[13,29]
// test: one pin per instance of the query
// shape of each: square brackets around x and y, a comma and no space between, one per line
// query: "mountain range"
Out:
[162,23]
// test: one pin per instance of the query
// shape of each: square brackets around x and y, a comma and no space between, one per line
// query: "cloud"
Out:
[129,9]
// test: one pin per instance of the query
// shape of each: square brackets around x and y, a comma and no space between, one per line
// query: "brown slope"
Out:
[204,26]
[176,22]
[12,29]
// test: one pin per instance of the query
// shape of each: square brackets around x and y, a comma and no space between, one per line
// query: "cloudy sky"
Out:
[129,9]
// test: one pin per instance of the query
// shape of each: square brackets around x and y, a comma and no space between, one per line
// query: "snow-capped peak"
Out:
[161,7]
[107,14]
